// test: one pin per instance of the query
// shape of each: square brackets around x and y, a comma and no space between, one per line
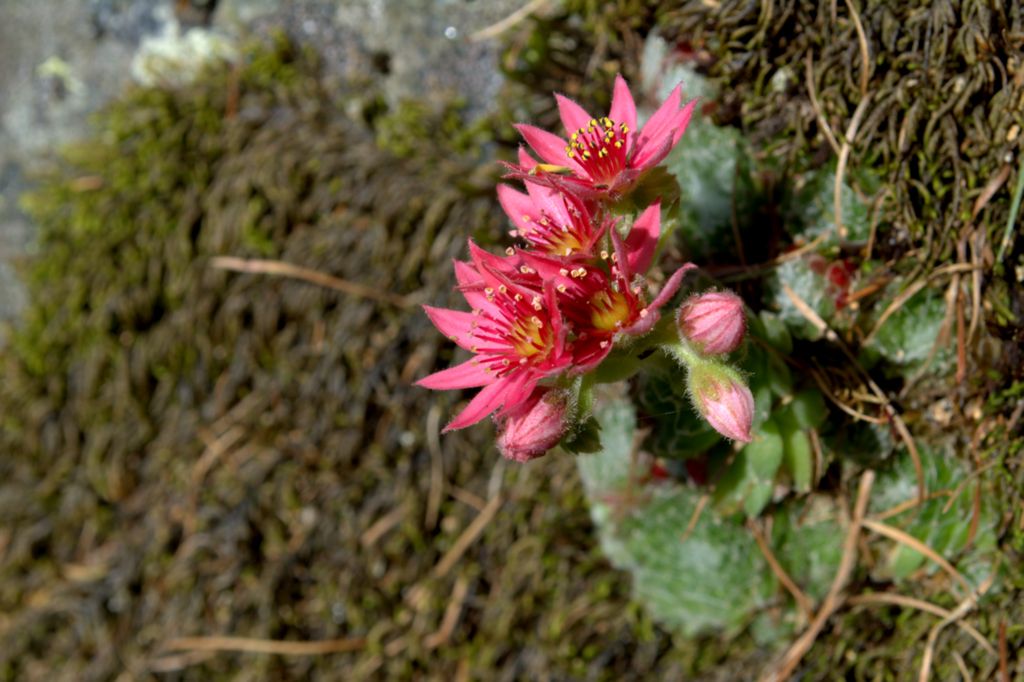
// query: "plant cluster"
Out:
[573,304]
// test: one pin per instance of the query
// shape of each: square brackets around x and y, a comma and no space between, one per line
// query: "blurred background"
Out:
[219,218]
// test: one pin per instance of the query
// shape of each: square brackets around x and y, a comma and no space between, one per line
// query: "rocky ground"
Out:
[61,60]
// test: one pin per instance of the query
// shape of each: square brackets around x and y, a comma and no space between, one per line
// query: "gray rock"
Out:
[62,59]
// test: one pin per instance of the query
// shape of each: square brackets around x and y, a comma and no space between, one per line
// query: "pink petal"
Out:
[488,263]
[625,270]
[671,286]
[623,108]
[643,238]
[659,129]
[653,155]
[644,324]
[483,403]
[518,389]
[589,353]
[455,324]
[518,206]
[555,315]
[550,148]
[471,284]
[554,202]
[469,374]
[683,120]
[573,115]
[526,162]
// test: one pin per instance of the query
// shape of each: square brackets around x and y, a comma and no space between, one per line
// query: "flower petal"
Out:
[519,207]
[455,324]
[623,267]
[471,284]
[683,120]
[549,147]
[643,238]
[573,115]
[671,286]
[526,162]
[483,403]
[647,321]
[659,125]
[623,108]
[657,140]
[590,352]
[469,374]
[518,389]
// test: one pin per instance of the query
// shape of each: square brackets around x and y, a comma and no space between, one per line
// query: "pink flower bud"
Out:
[714,322]
[534,427]
[723,400]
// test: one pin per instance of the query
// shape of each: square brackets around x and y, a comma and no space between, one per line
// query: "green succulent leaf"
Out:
[808,543]
[942,522]
[909,336]
[798,457]
[748,482]
[810,211]
[712,578]
[713,166]
[808,408]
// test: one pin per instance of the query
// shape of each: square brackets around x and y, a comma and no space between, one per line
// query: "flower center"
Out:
[600,149]
[527,336]
[557,240]
[610,310]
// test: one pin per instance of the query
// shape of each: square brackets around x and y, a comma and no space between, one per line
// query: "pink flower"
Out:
[601,305]
[533,427]
[604,155]
[551,221]
[516,334]
[722,399]
[714,322]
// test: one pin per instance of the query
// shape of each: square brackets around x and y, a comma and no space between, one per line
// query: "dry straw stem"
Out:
[1018,194]
[382,525]
[913,543]
[266,646]
[436,467]
[499,27]
[468,537]
[900,300]
[1004,654]
[869,598]
[833,600]
[955,616]
[852,411]
[451,615]
[890,410]
[282,269]
[695,517]
[964,672]
[801,599]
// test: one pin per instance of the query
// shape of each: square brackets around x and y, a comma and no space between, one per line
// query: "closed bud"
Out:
[713,322]
[534,427]
[723,399]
